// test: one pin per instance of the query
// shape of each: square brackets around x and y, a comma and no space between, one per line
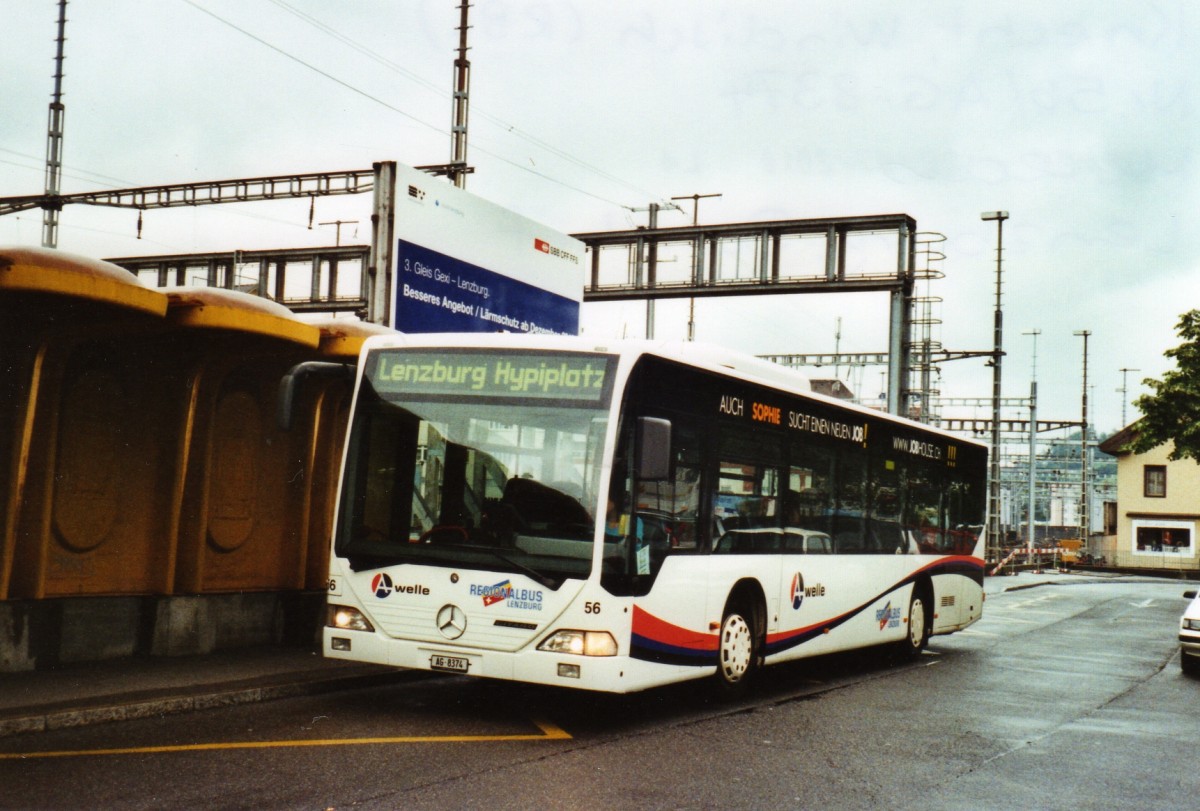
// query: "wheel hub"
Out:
[736,648]
[916,623]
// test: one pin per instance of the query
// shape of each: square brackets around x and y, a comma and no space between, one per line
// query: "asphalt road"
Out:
[1063,696]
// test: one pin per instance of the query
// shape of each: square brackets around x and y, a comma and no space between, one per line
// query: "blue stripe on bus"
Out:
[969,567]
[651,650]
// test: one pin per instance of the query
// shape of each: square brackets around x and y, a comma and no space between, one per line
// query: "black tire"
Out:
[737,651]
[916,629]
[1189,664]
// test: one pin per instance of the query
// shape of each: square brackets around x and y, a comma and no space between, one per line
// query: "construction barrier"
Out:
[1022,551]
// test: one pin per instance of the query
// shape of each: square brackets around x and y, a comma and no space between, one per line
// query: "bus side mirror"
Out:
[653,448]
[285,401]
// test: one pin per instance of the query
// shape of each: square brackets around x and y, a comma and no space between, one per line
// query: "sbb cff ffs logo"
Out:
[545,247]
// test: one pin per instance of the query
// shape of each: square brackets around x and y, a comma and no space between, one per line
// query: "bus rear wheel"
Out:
[917,633]
[737,653]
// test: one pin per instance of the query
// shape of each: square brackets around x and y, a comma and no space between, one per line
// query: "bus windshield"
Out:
[486,460]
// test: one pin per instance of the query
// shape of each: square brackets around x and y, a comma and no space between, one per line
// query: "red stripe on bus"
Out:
[653,628]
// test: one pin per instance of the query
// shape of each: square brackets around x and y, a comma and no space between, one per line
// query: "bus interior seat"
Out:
[501,521]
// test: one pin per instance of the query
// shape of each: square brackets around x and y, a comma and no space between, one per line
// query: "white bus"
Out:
[614,516]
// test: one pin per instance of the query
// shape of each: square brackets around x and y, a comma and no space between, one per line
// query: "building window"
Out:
[1171,540]
[1154,481]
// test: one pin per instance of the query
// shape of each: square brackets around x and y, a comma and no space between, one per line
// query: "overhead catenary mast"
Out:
[697,253]
[1085,500]
[54,138]
[462,92]
[1125,394]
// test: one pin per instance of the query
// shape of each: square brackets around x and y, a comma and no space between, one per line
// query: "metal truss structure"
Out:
[316,184]
[333,279]
[736,259]
[762,258]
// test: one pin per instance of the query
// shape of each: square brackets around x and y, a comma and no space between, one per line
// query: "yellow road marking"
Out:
[549,732]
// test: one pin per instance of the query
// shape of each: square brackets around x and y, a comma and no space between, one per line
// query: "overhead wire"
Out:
[312,67]
[354,44]
[373,98]
[507,127]
[41,167]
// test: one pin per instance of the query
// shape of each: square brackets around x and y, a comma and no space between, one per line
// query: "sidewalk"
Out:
[996,584]
[140,687]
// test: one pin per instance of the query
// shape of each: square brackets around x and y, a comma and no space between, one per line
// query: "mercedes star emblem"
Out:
[451,621]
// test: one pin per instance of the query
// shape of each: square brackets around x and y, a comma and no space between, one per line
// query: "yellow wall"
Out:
[138,448]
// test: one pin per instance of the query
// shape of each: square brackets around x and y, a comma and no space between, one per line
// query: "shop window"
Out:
[1171,540]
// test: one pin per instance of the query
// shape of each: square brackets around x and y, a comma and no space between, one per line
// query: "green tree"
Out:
[1171,412]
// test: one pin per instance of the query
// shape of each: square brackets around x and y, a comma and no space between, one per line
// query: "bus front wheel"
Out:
[736,651]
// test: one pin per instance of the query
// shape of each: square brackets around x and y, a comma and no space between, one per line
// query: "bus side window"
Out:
[809,500]
[964,513]
[849,510]
[924,511]
[744,510]
[887,497]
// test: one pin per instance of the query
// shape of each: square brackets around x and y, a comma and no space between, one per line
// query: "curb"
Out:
[173,702]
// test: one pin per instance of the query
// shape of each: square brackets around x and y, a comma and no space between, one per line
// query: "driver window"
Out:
[648,520]
[668,509]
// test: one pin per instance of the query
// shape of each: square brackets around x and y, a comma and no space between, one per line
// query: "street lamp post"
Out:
[993,539]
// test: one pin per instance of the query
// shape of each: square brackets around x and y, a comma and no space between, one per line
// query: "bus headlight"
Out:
[346,618]
[1191,625]
[582,643]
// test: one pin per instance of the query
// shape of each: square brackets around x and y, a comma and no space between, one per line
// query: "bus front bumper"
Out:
[611,674]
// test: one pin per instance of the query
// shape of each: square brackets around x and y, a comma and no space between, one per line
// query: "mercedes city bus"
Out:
[619,515]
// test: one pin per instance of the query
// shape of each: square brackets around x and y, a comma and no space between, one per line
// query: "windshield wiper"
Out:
[360,562]
[534,574]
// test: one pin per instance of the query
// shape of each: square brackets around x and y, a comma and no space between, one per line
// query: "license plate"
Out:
[450,664]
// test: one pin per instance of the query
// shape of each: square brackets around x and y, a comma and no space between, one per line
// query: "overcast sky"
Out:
[1078,118]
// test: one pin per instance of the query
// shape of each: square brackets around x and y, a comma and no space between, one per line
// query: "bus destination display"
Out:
[557,376]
